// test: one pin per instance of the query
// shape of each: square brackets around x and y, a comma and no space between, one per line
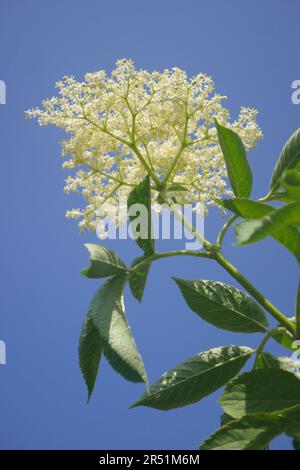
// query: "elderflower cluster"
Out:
[133,122]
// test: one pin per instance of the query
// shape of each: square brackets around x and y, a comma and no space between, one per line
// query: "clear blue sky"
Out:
[251,49]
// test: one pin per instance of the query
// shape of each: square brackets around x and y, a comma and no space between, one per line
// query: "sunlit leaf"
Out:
[288,159]
[238,168]
[141,194]
[108,314]
[104,262]
[223,305]
[259,391]
[90,350]
[195,378]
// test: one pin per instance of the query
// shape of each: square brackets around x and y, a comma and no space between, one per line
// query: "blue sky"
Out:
[251,50]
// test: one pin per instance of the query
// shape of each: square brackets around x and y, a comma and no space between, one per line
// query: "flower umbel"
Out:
[135,122]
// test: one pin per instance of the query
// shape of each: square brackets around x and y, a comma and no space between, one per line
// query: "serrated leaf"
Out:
[246,208]
[286,235]
[104,262]
[108,313]
[138,279]
[195,378]
[248,433]
[288,159]
[291,183]
[90,351]
[141,194]
[254,431]
[259,391]
[223,305]
[238,168]
[279,224]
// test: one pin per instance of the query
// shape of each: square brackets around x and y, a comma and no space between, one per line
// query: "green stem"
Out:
[214,252]
[182,145]
[174,163]
[146,165]
[256,294]
[266,198]
[298,312]
[261,347]
[130,145]
[224,230]
[169,254]
[181,217]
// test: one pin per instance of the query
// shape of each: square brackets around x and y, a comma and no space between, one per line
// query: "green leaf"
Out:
[284,338]
[104,262]
[141,194]
[248,433]
[254,431]
[195,378]
[223,305]
[90,350]
[108,314]
[277,224]
[238,169]
[262,390]
[270,224]
[225,419]
[291,183]
[288,159]
[286,235]
[293,416]
[268,361]
[246,208]
[296,444]
[280,196]
[138,279]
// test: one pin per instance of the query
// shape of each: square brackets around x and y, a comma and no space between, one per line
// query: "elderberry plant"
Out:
[162,139]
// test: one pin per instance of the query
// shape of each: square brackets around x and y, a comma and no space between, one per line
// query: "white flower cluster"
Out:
[135,122]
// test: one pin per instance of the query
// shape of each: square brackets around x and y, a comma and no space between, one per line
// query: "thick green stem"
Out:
[261,299]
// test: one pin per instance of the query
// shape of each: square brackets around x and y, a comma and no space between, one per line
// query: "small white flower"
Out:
[122,126]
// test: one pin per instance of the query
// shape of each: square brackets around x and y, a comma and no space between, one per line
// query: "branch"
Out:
[256,294]
[169,254]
